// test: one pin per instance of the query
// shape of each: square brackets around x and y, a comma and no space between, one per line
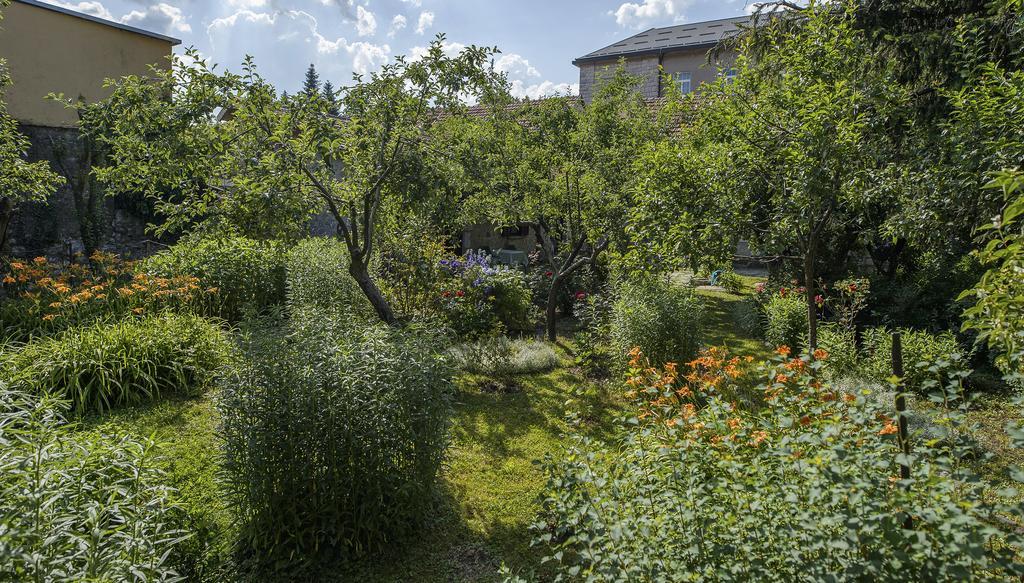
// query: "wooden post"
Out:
[901,409]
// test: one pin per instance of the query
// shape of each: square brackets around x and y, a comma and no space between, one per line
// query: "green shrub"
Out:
[785,320]
[333,439]
[513,300]
[748,315]
[105,365]
[920,350]
[662,319]
[841,345]
[249,275]
[475,297]
[318,277]
[801,490]
[592,345]
[79,507]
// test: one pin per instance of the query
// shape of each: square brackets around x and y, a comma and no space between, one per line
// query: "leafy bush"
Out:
[77,507]
[920,350]
[841,345]
[802,489]
[46,298]
[109,364]
[249,275]
[785,316]
[332,442]
[593,347]
[662,319]
[318,277]
[748,315]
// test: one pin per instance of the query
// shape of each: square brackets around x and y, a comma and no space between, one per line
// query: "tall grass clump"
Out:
[500,356]
[318,279]
[785,318]
[98,367]
[920,350]
[333,438]
[76,506]
[664,320]
[248,275]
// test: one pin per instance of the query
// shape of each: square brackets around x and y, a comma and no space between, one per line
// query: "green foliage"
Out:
[841,345]
[79,507]
[998,312]
[476,297]
[920,349]
[276,161]
[248,275]
[664,320]
[593,344]
[785,317]
[803,489]
[332,443]
[106,365]
[318,278]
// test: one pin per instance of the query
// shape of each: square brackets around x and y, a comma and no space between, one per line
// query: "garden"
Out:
[636,403]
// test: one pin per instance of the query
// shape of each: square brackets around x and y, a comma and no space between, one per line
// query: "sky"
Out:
[538,39]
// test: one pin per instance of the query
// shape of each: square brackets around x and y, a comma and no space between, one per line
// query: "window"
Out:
[730,74]
[517,231]
[683,80]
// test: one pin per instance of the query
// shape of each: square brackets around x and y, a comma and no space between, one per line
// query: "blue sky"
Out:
[538,38]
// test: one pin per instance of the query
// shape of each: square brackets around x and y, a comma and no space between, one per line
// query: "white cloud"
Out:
[426,21]
[366,22]
[413,3]
[450,48]
[96,9]
[161,17]
[545,89]
[634,15]
[247,4]
[516,66]
[397,23]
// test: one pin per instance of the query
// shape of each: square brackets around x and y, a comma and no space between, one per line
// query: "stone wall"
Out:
[51,228]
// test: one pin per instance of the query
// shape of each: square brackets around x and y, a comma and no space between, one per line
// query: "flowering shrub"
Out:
[805,488]
[46,298]
[476,296]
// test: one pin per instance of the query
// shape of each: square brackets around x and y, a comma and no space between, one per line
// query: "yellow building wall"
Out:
[49,52]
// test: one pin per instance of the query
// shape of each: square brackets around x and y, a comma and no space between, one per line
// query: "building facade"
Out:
[679,52]
[50,49]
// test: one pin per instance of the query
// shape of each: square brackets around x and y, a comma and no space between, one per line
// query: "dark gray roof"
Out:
[102,21]
[681,36]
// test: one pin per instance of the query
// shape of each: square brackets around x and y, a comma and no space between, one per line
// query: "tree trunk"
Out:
[361,274]
[556,283]
[812,307]
[6,214]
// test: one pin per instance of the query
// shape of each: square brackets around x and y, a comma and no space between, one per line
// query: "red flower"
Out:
[460,293]
[819,300]
[548,274]
[446,294]
[853,287]
[581,295]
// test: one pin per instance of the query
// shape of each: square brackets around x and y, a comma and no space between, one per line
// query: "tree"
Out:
[20,181]
[331,97]
[794,122]
[311,86]
[563,169]
[264,167]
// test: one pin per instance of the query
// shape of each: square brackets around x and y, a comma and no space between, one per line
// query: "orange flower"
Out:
[9,280]
[55,305]
[49,317]
[805,421]
[849,398]
[781,378]
[759,437]
[889,428]
[39,261]
[820,354]
[783,350]
[734,423]
[138,310]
